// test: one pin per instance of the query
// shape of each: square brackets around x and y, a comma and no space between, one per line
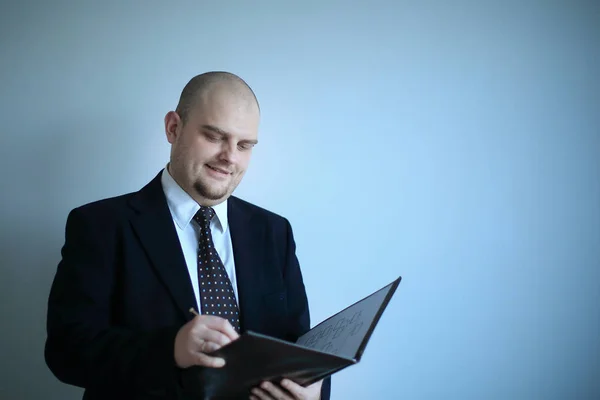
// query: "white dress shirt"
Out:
[183,208]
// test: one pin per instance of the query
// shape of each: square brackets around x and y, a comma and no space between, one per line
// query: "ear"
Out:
[172,126]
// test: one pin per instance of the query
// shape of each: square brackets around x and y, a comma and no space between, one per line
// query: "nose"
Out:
[228,152]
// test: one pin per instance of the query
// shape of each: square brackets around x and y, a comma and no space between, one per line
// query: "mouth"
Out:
[218,170]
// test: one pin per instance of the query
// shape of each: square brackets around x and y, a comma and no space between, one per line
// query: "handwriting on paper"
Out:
[344,333]
[332,336]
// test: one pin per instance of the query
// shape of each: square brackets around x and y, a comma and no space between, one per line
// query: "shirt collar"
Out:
[183,207]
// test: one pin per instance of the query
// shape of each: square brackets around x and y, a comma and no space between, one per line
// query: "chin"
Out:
[211,193]
[217,196]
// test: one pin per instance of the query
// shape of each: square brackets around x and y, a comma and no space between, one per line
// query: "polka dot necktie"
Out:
[216,293]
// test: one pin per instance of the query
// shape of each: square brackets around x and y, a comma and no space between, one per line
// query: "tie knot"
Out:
[204,215]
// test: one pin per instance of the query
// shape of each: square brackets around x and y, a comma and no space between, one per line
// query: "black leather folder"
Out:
[331,346]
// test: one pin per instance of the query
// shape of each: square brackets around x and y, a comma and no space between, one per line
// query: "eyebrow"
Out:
[223,133]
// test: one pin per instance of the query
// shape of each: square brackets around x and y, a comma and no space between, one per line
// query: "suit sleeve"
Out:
[82,347]
[297,300]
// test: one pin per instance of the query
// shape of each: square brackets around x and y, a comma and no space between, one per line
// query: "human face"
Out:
[210,153]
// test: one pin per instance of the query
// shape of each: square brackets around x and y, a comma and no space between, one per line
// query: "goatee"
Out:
[206,192]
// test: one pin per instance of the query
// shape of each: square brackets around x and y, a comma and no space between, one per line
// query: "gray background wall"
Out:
[465,135]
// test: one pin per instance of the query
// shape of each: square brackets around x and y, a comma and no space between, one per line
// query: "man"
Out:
[133,266]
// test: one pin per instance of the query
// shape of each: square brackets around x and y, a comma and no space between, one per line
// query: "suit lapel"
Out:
[246,238]
[155,229]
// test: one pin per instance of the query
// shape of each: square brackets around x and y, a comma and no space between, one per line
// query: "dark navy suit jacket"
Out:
[122,291]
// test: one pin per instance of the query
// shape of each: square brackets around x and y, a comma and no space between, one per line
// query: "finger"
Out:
[209,347]
[207,361]
[261,394]
[275,391]
[206,334]
[295,389]
[204,346]
[252,397]
[222,325]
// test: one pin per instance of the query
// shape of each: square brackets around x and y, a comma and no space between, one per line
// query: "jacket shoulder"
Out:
[107,203]
[257,211]
[103,210]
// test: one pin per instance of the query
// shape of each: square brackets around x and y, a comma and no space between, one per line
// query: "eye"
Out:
[211,138]
[245,146]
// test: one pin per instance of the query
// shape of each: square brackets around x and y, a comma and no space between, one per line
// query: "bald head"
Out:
[212,134]
[210,84]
